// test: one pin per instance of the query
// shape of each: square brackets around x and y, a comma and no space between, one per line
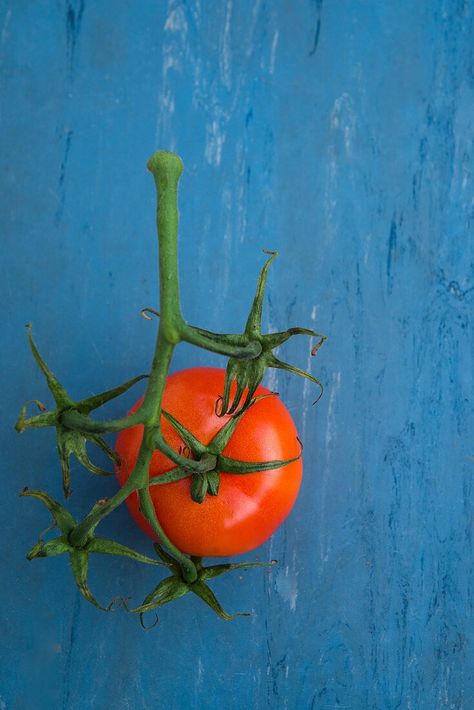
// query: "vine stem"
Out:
[249,353]
[166,169]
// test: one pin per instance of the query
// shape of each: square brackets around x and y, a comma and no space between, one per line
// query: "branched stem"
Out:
[166,169]
[139,477]
[239,347]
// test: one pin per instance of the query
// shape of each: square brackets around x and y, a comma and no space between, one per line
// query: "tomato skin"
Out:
[249,507]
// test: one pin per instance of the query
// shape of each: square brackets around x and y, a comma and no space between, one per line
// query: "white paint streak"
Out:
[176,20]
[215,139]
[3,39]
[227,253]
[330,191]
[225,49]
[199,677]
[367,240]
[331,420]
[273,49]
[330,438]
[171,60]
[6,23]
[343,119]
[167,103]
[253,24]
[272,379]
[240,159]
[287,584]
[343,125]
[174,57]
[294,585]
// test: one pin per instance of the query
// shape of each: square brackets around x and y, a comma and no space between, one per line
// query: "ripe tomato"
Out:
[249,507]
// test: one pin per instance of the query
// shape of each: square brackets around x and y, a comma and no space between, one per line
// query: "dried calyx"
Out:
[249,355]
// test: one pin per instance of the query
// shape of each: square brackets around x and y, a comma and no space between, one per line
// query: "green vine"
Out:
[249,353]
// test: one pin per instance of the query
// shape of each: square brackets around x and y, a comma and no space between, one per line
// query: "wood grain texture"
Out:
[340,134]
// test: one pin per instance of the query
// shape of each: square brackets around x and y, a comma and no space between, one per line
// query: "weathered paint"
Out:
[341,134]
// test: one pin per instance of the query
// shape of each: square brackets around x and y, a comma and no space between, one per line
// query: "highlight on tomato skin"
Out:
[249,507]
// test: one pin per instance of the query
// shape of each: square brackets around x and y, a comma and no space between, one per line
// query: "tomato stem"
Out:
[249,353]
[166,169]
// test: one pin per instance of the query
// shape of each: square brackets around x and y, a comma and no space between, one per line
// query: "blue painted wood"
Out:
[339,133]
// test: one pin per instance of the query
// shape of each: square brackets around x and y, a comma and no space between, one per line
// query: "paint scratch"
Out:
[70,650]
[317,31]
[62,176]
[74,13]
[392,245]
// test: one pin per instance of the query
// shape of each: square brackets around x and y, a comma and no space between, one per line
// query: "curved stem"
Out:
[79,535]
[148,510]
[151,407]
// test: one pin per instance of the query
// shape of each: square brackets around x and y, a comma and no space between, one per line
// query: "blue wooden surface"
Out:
[341,134]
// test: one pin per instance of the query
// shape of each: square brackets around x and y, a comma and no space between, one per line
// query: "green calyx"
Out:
[249,355]
[173,587]
[211,458]
[253,351]
[78,556]
[70,441]
[248,374]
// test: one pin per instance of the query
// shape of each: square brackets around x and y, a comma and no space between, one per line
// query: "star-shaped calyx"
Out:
[248,373]
[70,442]
[78,556]
[206,479]
[174,587]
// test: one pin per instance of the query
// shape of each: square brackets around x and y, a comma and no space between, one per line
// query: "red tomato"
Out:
[249,507]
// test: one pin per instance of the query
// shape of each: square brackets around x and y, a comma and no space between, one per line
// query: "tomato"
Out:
[249,507]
